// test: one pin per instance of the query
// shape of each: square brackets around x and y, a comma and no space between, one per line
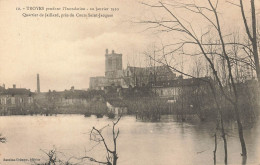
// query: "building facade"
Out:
[15,100]
[174,88]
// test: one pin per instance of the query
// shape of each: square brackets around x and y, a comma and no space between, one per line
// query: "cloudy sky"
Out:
[66,52]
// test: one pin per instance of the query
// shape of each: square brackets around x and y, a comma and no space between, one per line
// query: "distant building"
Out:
[115,75]
[16,99]
[98,82]
[62,98]
[74,97]
[116,107]
[173,88]
[138,76]
[113,63]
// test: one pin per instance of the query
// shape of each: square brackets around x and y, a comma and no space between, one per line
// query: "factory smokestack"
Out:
[38,83]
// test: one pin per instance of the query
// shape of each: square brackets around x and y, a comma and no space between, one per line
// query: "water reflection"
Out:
[139,143]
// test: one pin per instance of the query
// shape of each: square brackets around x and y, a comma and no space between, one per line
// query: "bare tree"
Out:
[52,157]
[112,155]
[252,35]
[176,25]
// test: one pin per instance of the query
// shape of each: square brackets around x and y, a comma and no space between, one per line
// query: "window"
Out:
[12,100]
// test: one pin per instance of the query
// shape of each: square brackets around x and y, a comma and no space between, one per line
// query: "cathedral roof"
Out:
[159,70]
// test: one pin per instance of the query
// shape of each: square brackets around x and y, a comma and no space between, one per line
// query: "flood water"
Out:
[139,143]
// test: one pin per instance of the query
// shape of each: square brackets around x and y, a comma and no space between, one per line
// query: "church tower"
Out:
[113,62]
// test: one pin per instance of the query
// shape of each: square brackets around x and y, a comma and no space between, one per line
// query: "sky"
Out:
[66,52]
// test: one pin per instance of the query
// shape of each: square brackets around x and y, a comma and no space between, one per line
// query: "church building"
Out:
[115,75]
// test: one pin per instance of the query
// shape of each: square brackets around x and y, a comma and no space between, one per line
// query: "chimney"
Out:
[14,86]
[72,88]
[106,51]
[113,51]
[38,83]
[4,86]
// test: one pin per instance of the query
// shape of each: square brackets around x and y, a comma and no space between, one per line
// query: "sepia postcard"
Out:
[138,82]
